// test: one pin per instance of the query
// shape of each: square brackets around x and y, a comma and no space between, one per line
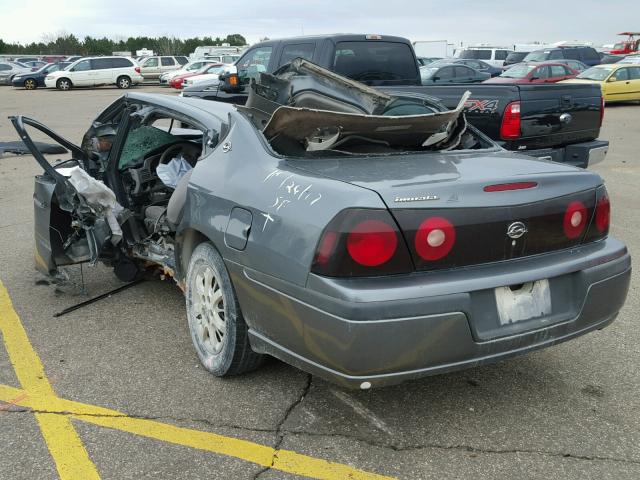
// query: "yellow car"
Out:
[619,82]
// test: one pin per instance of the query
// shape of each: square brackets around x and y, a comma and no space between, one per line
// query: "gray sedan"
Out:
[9,69]
[365,237]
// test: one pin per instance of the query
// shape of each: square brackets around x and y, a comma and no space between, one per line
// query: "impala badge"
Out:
[421,198]
[516,230]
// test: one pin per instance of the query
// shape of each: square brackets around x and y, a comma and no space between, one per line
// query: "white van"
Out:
[153,67]
[94,71]
[492,55]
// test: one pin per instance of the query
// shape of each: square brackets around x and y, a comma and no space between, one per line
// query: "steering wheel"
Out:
[190,151]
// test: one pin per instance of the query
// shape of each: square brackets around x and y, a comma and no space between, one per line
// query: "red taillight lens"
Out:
[372,243]
[435,238]
[361,242]
[575,220]
[510,126]
[137,69]
[603,213]
[503,187]
[601,110]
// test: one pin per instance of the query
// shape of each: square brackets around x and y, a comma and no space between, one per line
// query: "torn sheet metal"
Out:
[306,125]
[100,198]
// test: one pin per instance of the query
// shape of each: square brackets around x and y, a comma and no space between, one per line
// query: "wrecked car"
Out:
[363,236]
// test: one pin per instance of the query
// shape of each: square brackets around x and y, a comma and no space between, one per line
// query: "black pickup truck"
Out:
[560,122]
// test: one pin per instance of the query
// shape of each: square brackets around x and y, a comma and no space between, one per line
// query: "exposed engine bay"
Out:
[153,169]
[305,110]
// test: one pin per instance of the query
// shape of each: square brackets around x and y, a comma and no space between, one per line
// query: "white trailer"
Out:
[433,48]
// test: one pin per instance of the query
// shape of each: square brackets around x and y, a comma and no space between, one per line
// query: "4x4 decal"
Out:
[481,106]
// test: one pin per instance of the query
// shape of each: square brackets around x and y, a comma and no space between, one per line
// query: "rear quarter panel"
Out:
[289,207]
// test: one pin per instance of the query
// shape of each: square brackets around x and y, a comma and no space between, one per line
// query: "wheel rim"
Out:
[29,84]
[64,85]
[124,83]
[208,307]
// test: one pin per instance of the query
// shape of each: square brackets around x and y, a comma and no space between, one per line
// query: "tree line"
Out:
[68,44]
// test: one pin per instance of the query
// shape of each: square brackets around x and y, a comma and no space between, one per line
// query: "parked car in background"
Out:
[222,58]
[478,65]
[95,71]
[212,72]
[632,59]
[54,58]
[9,69]
[451,73]
[188,68]
[153,67]
[73,58]
[33,80]
[576,65]
[207,70]
[34,64]
[608,58]
[422,61]
[535,73]
[587,55]
[513,58]
[619,82]
[492,55]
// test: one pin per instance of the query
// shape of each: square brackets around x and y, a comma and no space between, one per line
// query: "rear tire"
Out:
[30,84]
[64,84]
[123,82]
[218,330]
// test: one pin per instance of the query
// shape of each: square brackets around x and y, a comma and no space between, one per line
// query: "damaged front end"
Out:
[303,109]
[74,214]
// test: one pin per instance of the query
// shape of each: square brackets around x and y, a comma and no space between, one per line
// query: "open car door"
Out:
[70,227]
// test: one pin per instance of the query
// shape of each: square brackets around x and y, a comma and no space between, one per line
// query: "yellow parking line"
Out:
[71,458]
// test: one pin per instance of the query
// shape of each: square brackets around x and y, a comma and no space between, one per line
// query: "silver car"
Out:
[9,69]
[364,237]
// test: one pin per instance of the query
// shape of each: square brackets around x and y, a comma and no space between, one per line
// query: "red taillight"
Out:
[372,243]
[601,110]
[503,187]
[325,248]
[575,220]
[603,213]
[137,69]
[435,238]
[361,242]
[510,126]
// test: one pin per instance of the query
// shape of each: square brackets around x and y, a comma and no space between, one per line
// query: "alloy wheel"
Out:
[208,306]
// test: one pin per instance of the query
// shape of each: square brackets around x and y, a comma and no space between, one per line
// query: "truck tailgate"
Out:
[552,115]
[558,114]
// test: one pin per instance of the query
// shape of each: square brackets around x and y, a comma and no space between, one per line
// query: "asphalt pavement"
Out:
[570,412]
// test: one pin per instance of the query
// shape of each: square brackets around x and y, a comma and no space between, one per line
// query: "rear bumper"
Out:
[579,154]
[388,330]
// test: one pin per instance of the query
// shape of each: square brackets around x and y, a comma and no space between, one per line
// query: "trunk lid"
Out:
[487,226]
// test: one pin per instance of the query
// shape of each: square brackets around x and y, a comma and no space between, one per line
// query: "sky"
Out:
[463,21]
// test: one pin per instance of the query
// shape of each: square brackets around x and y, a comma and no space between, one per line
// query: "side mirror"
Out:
[534,78]
[435,79]
[611,79]
[230,82]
